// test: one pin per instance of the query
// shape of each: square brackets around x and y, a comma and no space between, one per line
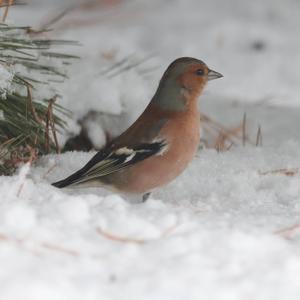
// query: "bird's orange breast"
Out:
[182,135]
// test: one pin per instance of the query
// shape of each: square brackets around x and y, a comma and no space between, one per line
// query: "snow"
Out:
[6,77]
[228,228]
[211,233]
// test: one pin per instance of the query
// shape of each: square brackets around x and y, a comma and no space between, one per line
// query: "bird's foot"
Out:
[145,197]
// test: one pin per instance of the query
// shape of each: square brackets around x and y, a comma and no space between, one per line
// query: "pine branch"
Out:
[27,121]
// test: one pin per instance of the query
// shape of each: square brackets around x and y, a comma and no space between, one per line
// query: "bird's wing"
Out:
[109,161]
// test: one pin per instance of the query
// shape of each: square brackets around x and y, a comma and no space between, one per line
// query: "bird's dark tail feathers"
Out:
[71,180]
[60,184]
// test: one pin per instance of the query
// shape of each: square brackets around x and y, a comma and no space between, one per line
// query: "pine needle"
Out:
[29,123]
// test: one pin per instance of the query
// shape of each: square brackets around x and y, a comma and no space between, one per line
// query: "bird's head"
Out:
[182,83]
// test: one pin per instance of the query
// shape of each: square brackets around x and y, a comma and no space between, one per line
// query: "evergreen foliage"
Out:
[28,120]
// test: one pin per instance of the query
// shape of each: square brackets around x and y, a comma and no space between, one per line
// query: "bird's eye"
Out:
[200,72]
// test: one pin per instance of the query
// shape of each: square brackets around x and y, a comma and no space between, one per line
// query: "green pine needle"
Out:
[28,124]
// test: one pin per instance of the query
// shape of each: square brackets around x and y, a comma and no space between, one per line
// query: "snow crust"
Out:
[211,233]
[228,228]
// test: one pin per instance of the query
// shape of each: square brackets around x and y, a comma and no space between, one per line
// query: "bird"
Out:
[159,145]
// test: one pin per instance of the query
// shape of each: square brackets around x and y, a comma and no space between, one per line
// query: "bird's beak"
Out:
[213,75]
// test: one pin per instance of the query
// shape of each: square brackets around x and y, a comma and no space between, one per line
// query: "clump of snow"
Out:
[6,77]
[95,133]
[19,217]
[75,211]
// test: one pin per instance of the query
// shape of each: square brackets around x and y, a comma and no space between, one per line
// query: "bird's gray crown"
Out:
[180,64]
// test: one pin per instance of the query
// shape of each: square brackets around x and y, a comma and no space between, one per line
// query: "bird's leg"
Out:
[146,196]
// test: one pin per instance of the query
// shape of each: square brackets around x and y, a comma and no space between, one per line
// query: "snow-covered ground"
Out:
[228,228]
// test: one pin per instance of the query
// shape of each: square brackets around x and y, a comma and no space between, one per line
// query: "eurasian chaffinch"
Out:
[159,145]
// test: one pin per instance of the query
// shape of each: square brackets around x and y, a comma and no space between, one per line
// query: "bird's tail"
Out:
[61,184]
[71,180]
